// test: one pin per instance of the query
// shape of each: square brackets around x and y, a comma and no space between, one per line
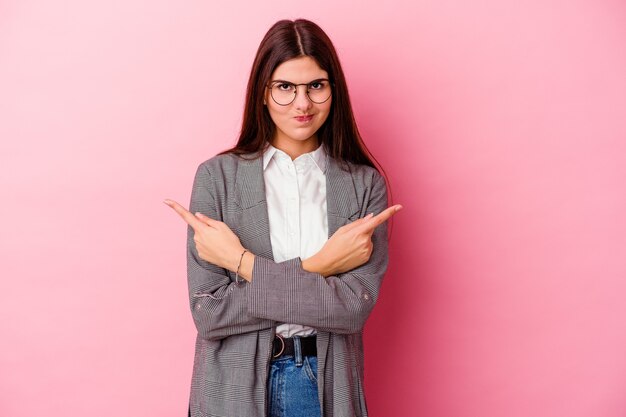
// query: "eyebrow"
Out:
[291,82]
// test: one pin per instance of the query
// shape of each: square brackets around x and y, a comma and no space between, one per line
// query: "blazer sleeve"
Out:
[218,304]
[285,292]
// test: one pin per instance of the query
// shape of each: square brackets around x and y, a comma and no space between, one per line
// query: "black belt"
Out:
[283,346]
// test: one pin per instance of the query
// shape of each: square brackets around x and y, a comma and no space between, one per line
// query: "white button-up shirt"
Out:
[295,191]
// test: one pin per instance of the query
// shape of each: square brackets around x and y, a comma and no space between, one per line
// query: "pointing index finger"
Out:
[186,215]
[381,217]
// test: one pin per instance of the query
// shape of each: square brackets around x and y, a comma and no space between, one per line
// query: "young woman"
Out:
[287,243]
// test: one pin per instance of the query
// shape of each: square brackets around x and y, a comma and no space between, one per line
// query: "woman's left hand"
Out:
[215,241]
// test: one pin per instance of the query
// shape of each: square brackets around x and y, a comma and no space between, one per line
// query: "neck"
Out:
[295,148]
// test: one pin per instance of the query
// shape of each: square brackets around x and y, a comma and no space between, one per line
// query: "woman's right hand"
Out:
[349,247]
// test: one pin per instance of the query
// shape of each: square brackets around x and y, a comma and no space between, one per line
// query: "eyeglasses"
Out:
[284,92]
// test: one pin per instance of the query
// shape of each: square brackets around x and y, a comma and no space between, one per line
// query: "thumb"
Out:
[205,219]
[357,222]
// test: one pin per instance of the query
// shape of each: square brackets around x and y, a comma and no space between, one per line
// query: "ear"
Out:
[265,97]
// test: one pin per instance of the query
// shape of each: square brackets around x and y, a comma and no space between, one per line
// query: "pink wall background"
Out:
[501,125]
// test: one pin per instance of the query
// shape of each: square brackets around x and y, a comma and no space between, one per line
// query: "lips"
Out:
[304,118]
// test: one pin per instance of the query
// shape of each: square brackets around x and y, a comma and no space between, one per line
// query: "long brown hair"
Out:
[286,40]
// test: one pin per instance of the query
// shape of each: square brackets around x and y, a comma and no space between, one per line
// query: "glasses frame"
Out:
[272,83]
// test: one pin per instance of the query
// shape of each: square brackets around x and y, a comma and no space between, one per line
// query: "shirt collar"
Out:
[319,156]
[267,155]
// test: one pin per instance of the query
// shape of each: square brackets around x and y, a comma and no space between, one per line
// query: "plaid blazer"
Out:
[236,321]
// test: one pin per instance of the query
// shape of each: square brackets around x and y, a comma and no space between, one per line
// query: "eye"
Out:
[284,86]
[316,85]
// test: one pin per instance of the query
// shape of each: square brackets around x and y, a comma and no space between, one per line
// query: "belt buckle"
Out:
[282,349]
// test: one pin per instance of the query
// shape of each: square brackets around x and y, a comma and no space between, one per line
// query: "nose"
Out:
[302,102]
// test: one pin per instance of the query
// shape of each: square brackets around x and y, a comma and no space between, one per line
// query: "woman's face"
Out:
[293,131]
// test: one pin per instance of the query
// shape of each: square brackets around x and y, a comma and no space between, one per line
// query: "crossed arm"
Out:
[334,290]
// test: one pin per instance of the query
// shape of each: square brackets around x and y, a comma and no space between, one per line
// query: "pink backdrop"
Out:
[501,125]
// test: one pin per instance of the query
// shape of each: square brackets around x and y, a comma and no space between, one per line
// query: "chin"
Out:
[300,135]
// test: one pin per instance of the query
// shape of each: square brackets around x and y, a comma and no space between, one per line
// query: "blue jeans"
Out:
[292,386]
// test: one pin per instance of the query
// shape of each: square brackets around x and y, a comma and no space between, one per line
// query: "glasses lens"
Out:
[283,93]
[319,91]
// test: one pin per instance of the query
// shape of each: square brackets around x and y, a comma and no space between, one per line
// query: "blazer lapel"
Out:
[341,201]
[249,183]
[253,222]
